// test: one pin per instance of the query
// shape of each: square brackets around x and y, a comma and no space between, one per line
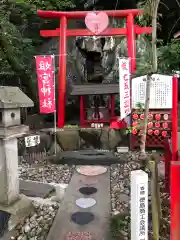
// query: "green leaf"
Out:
[27,40]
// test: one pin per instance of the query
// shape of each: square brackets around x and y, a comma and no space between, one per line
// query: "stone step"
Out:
[98,228]
[35,189]
[87,157]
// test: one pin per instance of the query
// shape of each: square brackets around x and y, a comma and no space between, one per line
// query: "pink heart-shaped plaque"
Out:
[97,23]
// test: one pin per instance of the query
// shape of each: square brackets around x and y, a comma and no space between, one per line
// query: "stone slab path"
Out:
[84,219]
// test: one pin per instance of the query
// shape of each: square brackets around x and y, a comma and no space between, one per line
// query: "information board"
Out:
[160,91]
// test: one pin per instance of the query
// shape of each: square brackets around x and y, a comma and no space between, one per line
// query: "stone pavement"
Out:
[84,219]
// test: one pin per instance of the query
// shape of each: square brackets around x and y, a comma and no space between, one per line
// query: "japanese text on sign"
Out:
[139,205]
[45,73]
[124,87]
[160,91]
[142,212]
[32,141]
[44,65]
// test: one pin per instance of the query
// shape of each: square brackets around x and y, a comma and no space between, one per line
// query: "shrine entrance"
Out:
[130,31]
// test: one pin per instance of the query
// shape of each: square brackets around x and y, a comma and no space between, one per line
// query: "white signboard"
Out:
[97,125]
[139,205]
[32,141]
[124,87]
[160,92]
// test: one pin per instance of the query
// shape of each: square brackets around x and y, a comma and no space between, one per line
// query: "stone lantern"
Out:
[11,100]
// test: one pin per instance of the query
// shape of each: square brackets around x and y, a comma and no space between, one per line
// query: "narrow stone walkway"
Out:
[84,212]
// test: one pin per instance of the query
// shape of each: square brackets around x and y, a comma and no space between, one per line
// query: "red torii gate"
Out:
[130,31]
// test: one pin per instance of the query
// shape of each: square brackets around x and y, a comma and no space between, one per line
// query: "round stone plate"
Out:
[82,218]
[91,170]
[85,202]
[78,236]
[87,190]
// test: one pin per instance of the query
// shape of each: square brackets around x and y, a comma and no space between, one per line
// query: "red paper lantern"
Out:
[158,117]
[134,124]
[135,116]
[134,131]
[165,117]
[157,124]
[150,116]
[164,133]
[150,131]
[156,132]
[142,116]
[165,125]
[150,124]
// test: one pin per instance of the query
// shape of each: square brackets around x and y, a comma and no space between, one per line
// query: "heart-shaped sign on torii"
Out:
[97,22]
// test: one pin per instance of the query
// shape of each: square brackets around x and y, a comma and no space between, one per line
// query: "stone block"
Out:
[19,208]
[104,138]
[115,138]
[68,139]
[45,144]
[10,117]
[9,190]
[90,138]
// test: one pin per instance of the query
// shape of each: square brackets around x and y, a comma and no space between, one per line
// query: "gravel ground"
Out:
[46,173]
[120,198]
[120,184]
[38,224]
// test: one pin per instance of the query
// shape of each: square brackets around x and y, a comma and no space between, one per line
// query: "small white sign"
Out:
[32,141]
[122,149]
[97,125]
[139,205]
[124,87]
[160,91]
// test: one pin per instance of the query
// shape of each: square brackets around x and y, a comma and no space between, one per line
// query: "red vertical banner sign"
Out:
[46,84]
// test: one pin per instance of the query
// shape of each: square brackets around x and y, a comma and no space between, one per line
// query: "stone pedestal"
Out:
[9,190]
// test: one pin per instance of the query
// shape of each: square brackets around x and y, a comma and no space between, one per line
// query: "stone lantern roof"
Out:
[13,97]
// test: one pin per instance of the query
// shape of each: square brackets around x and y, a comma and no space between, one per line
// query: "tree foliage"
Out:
[19,35]
[169,57]
[48,5]
[20,39]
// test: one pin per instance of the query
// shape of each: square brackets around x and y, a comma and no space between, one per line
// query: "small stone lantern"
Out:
[11,100]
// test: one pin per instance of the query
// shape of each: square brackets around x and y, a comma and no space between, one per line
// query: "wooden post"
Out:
[154,201]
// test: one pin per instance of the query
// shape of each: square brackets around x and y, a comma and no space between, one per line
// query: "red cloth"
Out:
[118,124]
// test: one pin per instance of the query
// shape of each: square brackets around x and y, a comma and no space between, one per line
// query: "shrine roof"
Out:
[95,89]
[13,97]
